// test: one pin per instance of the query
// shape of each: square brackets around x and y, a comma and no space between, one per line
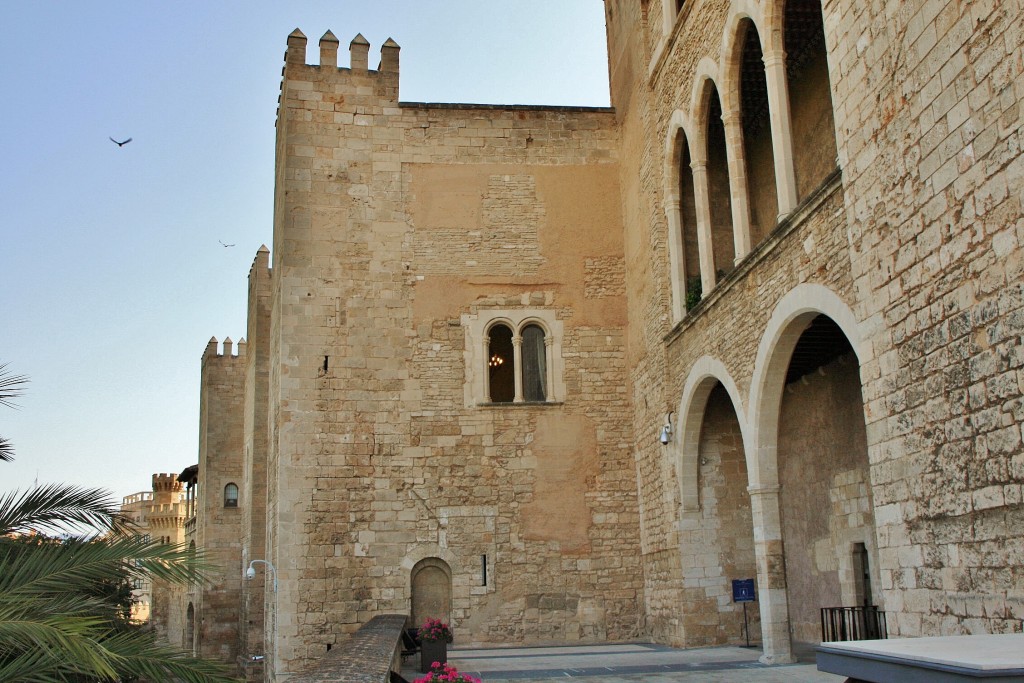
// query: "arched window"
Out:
[810,95]
[231,496]
[501,365]
[514,356]
[535,366]
[719,193]
[755,119]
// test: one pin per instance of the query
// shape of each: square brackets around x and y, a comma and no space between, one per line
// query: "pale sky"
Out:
[114,277]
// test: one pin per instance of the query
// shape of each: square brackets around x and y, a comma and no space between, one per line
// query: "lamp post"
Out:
[250,574]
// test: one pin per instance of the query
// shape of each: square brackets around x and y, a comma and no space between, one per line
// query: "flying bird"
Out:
[120,144]
[225,245]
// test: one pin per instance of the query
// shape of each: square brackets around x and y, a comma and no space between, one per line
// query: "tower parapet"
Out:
[225,350]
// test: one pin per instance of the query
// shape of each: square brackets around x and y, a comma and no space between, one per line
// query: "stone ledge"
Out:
[368,656]
[995,658]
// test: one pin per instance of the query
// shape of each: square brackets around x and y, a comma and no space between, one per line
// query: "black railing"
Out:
[852,623]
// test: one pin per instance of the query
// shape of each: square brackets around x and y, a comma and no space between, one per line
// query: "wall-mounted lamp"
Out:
[250,573]
[666,432]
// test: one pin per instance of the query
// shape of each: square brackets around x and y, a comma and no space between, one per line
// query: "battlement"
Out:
[166,482]
[359,51]
[213,350]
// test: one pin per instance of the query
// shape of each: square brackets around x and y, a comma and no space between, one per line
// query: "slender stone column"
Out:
[771,575]
[487,368]
[737,185]
[517,360]
[782,131]
[676,257]
[549,368]
[707,256]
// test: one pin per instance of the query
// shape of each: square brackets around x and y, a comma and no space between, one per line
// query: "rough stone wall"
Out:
[219,528]
[397,225]
[825,496]
[253,488]
[919,238]
[929,127]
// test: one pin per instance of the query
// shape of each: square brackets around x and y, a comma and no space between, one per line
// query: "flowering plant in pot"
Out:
[435,630]
[447,673]
[434,637]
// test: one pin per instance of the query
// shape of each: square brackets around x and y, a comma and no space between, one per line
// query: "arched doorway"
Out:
[190,629]
[825,501]
[431,590]
[716,535]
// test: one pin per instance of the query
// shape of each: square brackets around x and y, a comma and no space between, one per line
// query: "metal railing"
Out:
[852,623]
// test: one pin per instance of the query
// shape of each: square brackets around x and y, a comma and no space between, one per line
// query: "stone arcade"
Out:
[795,239]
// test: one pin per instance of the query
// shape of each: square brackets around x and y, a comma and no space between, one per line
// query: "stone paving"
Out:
[619,663]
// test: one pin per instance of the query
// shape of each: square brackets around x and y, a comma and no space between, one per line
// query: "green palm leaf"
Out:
[61,508]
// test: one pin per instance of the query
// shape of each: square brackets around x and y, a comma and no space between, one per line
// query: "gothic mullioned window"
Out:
[513,356]
[517,366]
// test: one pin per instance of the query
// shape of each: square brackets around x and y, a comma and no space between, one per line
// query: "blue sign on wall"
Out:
[743,590]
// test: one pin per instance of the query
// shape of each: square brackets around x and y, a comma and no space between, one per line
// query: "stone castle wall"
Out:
[218,526]
[914,249]
[402,230]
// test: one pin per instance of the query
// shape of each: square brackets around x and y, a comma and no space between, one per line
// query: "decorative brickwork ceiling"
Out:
[820,344]
[805,34]
[753,86]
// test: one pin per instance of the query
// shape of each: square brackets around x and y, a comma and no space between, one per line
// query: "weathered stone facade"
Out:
[795,239]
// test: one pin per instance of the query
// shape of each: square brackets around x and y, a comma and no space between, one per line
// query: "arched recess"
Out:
[430,590]
[810,94]
[706,373]
[190,629]
[715,169]
[716,536]
[681,214]
[748,91]
[812,452]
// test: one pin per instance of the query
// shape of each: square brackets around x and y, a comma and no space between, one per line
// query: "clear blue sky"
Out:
[113,275]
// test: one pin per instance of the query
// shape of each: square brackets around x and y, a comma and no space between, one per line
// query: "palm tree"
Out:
[65,552]
[10,388]
[57,623]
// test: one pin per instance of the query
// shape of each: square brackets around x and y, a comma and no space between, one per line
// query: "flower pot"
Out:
[432,651]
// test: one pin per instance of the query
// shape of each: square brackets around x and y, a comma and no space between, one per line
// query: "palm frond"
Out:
[6,450]
[10,386]
[60,508]
[71,641]
[139,654]
[29,666]
[54,566]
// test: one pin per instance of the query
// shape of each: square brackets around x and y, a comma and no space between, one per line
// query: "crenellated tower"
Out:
[218,516]
[403,233]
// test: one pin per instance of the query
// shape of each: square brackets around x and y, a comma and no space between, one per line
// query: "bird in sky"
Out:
[225,245]
[120,144]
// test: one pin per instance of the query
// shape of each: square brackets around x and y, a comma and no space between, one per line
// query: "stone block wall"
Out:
[253,487]
[218,526]
[914,249]
[399,227]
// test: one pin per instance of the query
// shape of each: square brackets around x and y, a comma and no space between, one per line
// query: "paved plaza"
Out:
[629,662]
